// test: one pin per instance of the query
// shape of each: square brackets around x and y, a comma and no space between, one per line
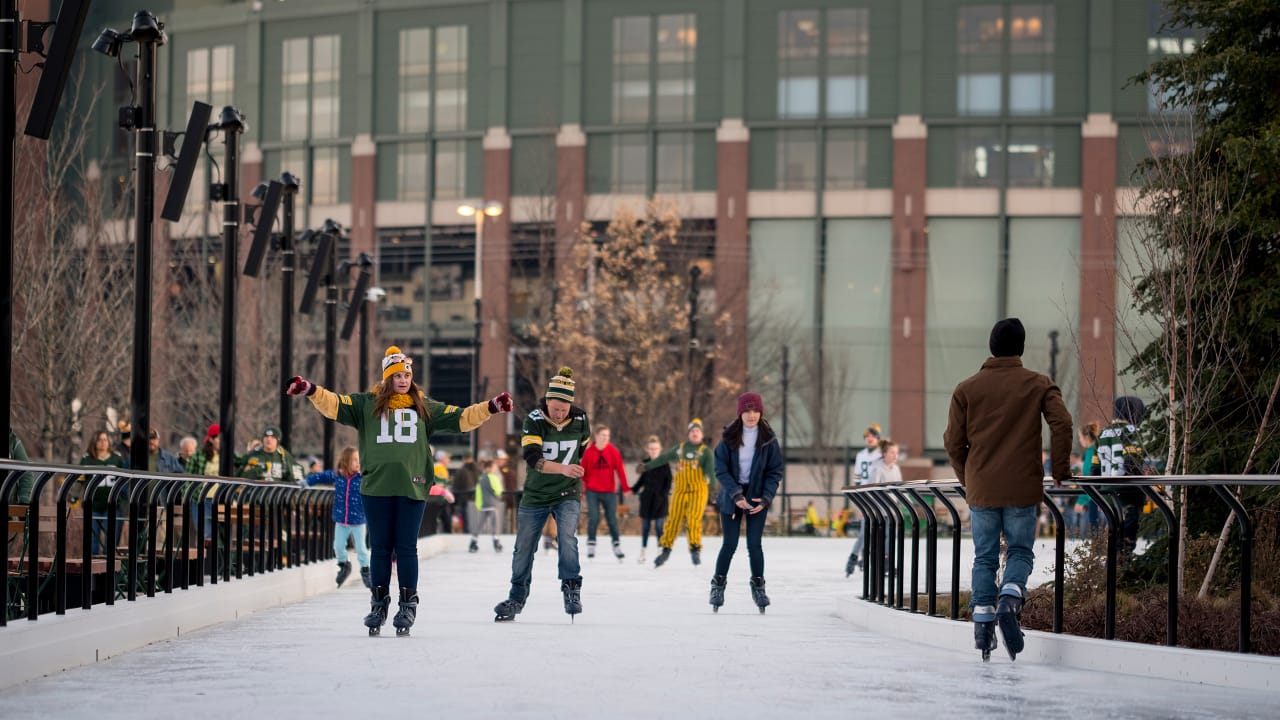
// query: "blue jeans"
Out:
[393,526]
[529,522]
[732,528]
[356,532]
[644,529]
[1018,524]
[596,501]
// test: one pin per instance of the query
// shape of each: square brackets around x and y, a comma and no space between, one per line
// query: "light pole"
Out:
[694,273]
[371,298]
[492,209]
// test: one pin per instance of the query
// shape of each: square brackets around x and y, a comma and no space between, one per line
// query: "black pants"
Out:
[732,527]
[435,518]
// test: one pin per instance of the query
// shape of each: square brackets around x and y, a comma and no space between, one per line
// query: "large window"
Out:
[1004,62]
[654,63]
[311,110]
[797,159]
[433,99]
[822,63]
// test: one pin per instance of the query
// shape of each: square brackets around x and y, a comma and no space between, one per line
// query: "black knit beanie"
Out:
[1008,338]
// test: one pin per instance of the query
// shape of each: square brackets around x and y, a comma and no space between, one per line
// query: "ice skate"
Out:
[507,610]
[617,550]
[641,560]
[408,611]
[662,557]
[364,577]
[474,546]
[344,572]
[717,592]
[695,554]
[984,630]
[850,565]
[591,548]
[497,546]
[572,590]
[377,610]
[757,593]
[1009,617]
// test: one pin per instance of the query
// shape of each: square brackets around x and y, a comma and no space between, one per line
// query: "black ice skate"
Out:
[757,593]
[984,630]
[662,557]
[591,548]
[1009,617]
[695,554]
[408,611]
[507,610]
[717,592]
[344,572]
[617,550]
[572,590]
[850,565]
[474,546]
[497,546]
[377,610]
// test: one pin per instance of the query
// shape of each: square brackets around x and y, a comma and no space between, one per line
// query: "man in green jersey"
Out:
[552,439]
[272,463]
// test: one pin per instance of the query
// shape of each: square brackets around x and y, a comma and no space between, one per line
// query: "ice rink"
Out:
[646,646]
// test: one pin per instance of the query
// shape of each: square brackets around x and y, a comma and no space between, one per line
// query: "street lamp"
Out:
[492,209]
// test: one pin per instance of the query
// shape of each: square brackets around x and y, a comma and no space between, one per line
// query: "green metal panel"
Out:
[475,168]
[911,57]
[704,160]
[1066,156]
[733,82]
[365,110]
[498,39]
[387,60]
[533,166]
[1071,58]
[762,66]
[939,61]
[762,160]
[879,158]
[536,56]
[940,156]
[1130,53]
[887,73]
[388,171]
[1101,35]
[571,79]
[599,163]
[1131,149]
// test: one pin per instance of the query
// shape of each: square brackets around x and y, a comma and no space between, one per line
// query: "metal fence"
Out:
[117,533]
[895,513]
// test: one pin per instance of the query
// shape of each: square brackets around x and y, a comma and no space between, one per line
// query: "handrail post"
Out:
[1171,523]
[1246,562]
[1059,557]
[1113,552]
[931,550]
[915,550]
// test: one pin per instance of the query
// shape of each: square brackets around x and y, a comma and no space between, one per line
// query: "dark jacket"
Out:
[348,505]
[654,489]
[993,434]
[766,472]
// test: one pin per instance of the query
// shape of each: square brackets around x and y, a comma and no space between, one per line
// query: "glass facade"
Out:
[1004,59]
[210,79]
[857,297]
[310,110]
[432,99]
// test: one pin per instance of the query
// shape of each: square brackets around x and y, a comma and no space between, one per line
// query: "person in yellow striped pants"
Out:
[694,478]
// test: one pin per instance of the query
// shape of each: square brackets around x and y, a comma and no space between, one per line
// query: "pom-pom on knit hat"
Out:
[561,386]
[395,361]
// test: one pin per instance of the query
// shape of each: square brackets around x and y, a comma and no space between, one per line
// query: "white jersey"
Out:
[862,463]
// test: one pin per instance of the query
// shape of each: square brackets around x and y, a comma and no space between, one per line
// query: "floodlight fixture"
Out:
[57,66]
[192,142]
[262,232]
[108,42]
[357,296]
[321,265]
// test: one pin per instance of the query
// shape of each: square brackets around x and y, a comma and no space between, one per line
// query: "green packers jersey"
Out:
[563,444]
[278,466]
[395,457]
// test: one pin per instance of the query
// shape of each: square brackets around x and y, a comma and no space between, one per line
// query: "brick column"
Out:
[249,291]
[733,268]
[495,261]
[364,238]
[1097,268]
[571,195]
[906,364]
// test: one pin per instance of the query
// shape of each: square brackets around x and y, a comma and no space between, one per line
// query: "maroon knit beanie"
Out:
[750,401]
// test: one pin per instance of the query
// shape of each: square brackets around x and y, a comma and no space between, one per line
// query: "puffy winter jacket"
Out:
[348,506]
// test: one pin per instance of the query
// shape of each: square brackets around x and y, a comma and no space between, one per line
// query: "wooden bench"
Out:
[75,566]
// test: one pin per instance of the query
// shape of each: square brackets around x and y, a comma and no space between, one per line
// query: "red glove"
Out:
[299,385]
[501,404]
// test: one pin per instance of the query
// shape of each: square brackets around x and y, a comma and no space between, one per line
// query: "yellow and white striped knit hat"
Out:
[561,386]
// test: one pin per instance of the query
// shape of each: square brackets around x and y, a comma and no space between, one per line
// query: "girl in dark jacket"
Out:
[748,468]
[654,488]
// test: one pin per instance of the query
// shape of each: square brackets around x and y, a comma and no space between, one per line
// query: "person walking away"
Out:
[748,466]
[993,443]
[394,423]
[1086,508]
[348,513]
[488,491]
[653,487]
[862,463]
[553,437]
[603,465]
[695,469]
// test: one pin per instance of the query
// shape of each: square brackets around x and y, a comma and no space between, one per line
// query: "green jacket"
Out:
[26,481]
[278,466]
[539,437]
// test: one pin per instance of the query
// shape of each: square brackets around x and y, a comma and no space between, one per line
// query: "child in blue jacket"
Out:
[348,512]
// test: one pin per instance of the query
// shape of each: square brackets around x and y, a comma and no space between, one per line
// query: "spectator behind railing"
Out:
[100,454]
[25,483]
[161,460]
[272,463]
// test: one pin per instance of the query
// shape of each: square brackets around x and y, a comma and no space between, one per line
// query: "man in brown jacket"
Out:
[993,442]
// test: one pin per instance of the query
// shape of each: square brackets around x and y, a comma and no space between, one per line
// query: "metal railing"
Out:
[894,510]
[179,530]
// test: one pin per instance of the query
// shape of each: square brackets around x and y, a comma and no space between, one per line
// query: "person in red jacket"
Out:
[603,465]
